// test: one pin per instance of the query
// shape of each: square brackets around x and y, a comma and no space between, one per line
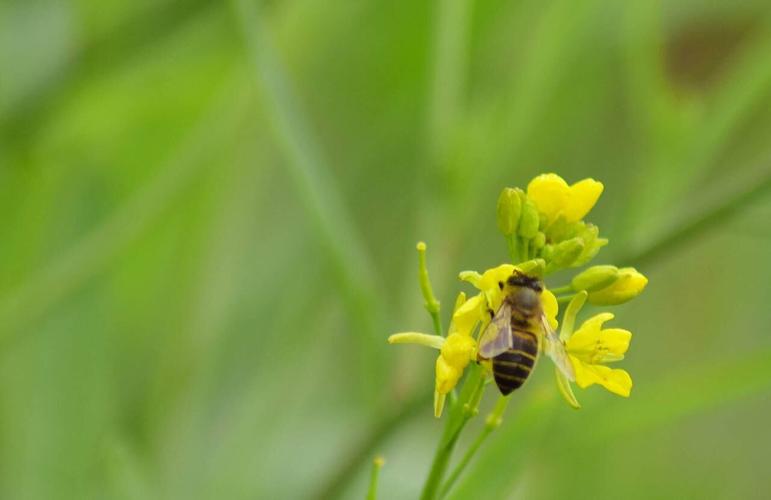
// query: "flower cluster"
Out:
[545,232]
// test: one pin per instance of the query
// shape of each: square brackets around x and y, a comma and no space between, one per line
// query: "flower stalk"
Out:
[492,422]
[377,464]
[431,304]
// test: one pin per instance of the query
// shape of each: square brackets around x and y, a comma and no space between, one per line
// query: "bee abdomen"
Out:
[511,368]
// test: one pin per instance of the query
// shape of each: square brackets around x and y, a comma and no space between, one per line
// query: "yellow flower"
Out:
[591,346]
[554,198]
[455,351]
[459,348]
[628,285]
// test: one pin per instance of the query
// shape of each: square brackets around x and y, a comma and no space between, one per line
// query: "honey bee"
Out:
[518,332]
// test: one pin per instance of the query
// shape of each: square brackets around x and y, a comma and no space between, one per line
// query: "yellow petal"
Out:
[446,376]
[438,404]
[550,307]
[616,381]
[472,277]
[550,194]
[457,350]
[581,198]
[616,340]
[563,384]
[467,315]
[493,277]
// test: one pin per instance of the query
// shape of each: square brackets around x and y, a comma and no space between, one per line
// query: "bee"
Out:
[518,332]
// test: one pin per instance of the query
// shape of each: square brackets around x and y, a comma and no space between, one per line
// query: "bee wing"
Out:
[555,349]
[496,338]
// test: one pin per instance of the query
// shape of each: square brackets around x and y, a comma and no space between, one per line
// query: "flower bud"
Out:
[509,211]
[533,267]
[539,241]
[592,244]
[528,222]
[627,286]
[566,252]
[595,278]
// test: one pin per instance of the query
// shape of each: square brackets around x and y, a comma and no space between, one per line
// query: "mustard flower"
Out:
[591,347]
[554,198]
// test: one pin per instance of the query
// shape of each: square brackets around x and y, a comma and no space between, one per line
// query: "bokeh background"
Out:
[209,215]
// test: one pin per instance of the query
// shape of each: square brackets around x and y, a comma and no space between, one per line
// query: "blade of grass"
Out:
[321,199]
[710,215]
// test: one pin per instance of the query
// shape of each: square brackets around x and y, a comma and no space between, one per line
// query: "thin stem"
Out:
[492,422]
[471,393]
[703,218]
[431,303]
[377,464]
[524,249]
[561,289]
[380,432]
[564,299]
[513,245]
[317,191]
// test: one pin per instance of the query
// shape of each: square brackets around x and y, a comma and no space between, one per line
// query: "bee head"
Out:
[519,279]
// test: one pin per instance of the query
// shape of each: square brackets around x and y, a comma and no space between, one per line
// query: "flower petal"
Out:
[467,315]
[549,193]
[492,277]
[582,197]
[616,381]
[457,350]
[550,307]
[446,376]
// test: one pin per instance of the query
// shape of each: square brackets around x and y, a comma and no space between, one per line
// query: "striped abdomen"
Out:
[511,368]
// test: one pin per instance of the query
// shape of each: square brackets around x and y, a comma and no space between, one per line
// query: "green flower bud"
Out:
[548,252]
[534,267]
[627,286]
[539,241]
[528,222]
[592,243]
[566,252]
[595,278]
[509,211]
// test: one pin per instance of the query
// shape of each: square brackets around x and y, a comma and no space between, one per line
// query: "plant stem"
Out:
[492,422]
[431,303]
[703,218]
[377,464]
[511,241]
[561,289]
[564,299]
[471,394]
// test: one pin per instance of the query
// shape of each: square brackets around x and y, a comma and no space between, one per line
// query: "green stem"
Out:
[431,303]
[703,218]
[471,393]
[561,289]
[492,422]
[564,299]
[377,464]
[512,243]
[524,250]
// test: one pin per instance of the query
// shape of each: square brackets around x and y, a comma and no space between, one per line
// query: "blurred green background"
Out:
[209,213]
